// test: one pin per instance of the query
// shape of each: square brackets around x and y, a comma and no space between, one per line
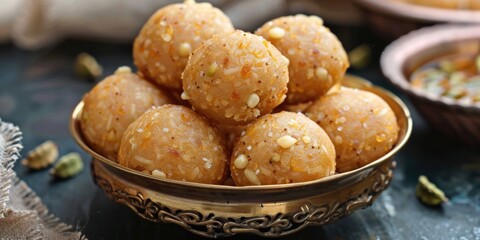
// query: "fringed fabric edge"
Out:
[33,202]
[10,146]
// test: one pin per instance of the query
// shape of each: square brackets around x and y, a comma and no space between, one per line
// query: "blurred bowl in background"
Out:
[405,55]
[391,19]
[340,12]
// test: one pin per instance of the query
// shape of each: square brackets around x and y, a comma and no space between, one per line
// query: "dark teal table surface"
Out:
[38,91]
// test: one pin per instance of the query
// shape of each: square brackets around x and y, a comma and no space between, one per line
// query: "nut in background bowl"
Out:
[391,18]
[268,210]
[401,58]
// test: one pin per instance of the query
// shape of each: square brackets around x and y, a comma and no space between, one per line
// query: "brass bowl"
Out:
[391,19]
[268,210]
[401,58]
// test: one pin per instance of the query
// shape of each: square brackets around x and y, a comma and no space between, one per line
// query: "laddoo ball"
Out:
[234,78]
[112,105]
[174,142]
[282,148]
[317,58]
[162,47]
[361,125]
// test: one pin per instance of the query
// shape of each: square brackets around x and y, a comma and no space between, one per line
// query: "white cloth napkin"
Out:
[33,24]
[36,23]
[22,213]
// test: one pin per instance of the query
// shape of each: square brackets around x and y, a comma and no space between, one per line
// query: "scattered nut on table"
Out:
[68,166]
[42,156]
[359,57]
[87,67]
[428,193]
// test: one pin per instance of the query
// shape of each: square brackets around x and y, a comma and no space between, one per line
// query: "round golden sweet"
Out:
[282,148]
[317,58]
[162,47]
[236,77]
[174,142]
[362,126]
[112,105]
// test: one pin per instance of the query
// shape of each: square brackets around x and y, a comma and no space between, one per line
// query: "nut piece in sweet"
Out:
[41,156]
[361,125]
[276,32]
[167,39]
[158,173]
[318,60]
[123,70]
[269,152]
[286,141]
[241,161]
[174,142]
[112,105]
[233,78]
[185,49]
[253,100]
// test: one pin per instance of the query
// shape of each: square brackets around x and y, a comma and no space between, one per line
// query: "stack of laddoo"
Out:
[212,104]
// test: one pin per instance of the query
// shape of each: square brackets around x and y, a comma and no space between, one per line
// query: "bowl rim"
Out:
[77,136]
[396,55]
[422,13]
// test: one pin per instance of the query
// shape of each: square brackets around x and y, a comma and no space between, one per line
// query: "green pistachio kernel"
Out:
[428,193]
[69,165]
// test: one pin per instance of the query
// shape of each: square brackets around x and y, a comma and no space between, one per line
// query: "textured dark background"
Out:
[38,91]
